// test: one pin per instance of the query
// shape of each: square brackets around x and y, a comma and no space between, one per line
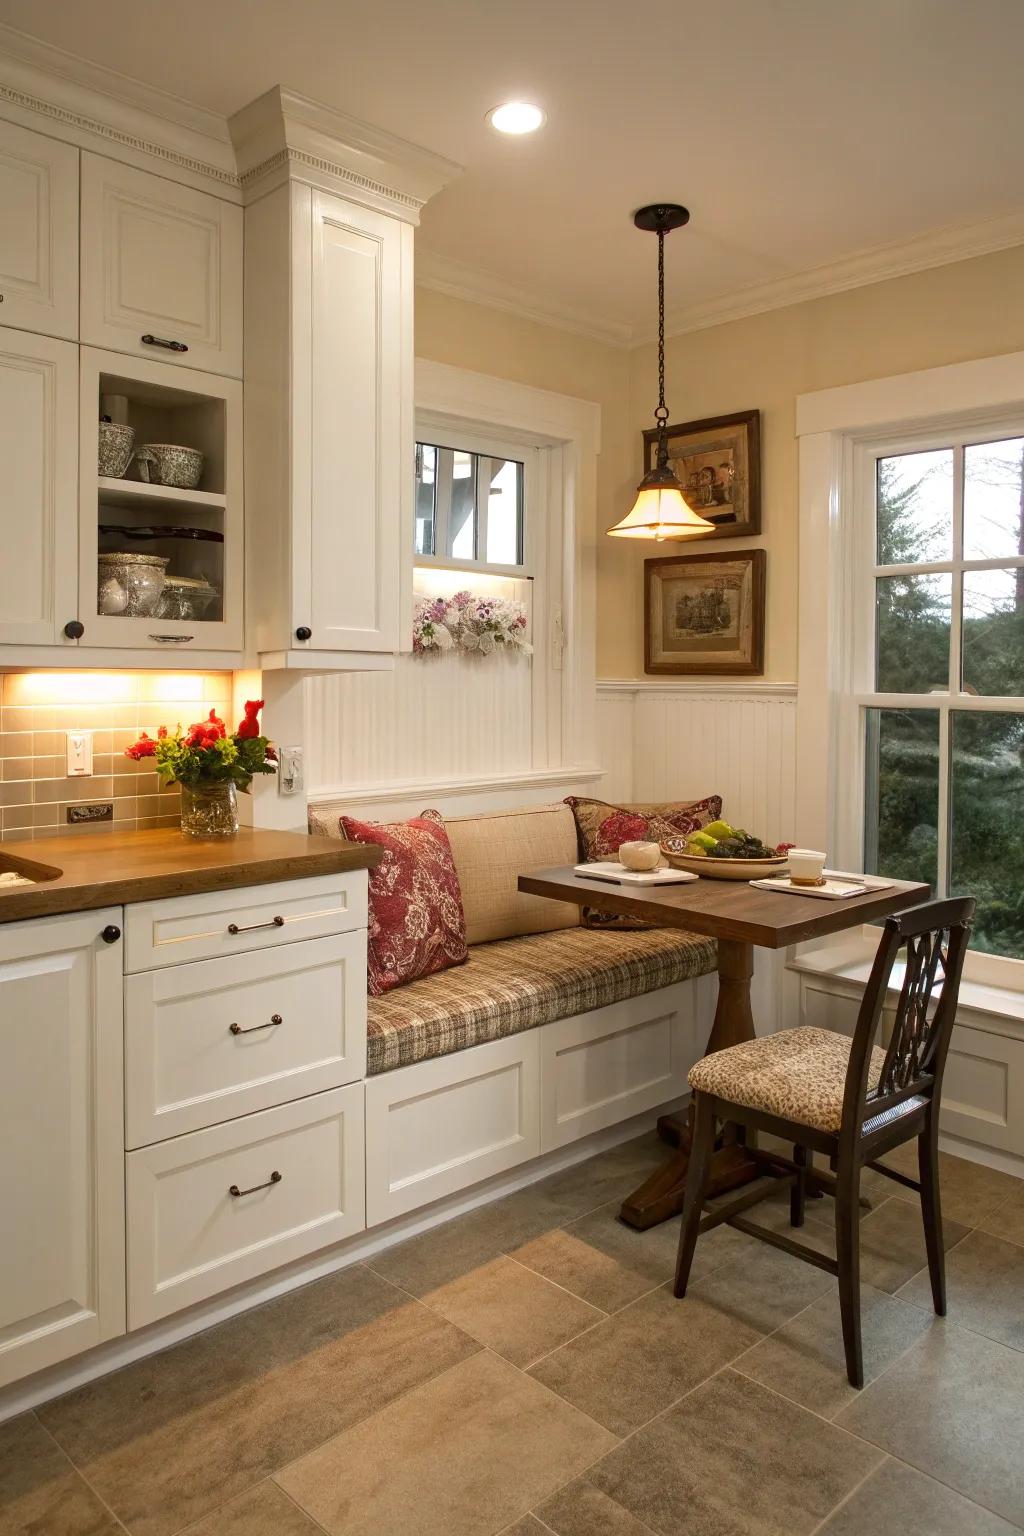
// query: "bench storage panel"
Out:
[442,1125]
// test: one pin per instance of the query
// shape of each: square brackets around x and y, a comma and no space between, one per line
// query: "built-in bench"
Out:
[549,1032]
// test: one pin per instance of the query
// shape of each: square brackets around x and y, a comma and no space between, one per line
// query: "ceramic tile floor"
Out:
[525,1370]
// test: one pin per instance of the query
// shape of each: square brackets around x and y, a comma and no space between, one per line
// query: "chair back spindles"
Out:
[933,938]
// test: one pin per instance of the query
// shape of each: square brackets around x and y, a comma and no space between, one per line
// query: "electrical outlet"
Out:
[289,772]
[79,758]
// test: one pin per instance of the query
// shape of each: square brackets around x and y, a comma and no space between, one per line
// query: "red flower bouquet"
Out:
[206,755]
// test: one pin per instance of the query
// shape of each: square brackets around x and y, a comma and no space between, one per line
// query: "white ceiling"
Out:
[800,133]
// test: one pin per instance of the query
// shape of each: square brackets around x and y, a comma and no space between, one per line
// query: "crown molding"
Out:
[47,89]
[283,135]
[938,248]
[444,275]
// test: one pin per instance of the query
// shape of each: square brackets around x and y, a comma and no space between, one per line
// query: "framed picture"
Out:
[704,614]
[718,463]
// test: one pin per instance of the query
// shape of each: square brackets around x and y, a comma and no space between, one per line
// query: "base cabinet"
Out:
[61,1140]
[217,1207]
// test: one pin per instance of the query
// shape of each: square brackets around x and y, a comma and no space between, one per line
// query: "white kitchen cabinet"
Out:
[329,424]
[62,1281]
[38,513]
[161,268]
[38,232]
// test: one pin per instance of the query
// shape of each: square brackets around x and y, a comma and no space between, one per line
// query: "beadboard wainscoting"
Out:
[432,718]
[671,741]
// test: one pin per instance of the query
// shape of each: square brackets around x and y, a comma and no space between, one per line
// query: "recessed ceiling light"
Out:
[516,117]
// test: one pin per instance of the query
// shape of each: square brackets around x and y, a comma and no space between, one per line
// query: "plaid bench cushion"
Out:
[516,984]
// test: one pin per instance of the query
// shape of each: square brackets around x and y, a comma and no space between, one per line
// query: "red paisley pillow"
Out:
[416,922]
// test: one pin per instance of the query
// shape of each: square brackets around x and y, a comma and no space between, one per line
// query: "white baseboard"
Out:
[111,1356]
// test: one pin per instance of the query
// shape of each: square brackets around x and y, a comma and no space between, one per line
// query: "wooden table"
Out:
[741,918]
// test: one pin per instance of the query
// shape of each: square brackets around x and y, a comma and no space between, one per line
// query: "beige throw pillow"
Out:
[492,851]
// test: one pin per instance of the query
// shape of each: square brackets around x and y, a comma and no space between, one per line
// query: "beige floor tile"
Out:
[529,1525]
[610,1264]
[984,1288]
[169,1438]
[513,1311]
[892,1247]
[1007,1220]
[583,1510]
[805,1359]
[434,1258]
[642,1359]
[970,1192]
[952,1407]
[765,1288]
[266,1511]
[41,1494]
[465,1455]
[733,1459]
[897,1501]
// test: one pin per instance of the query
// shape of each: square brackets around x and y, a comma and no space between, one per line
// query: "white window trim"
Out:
[559,550]
[835,429]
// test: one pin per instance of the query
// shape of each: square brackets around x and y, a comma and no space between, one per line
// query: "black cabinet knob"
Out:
[110,934]
[74,629]
[303,632]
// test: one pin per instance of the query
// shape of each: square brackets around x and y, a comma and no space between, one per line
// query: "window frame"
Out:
[854,641]
[434,430]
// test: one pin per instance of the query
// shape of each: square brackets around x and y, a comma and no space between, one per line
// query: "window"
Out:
[936,695]
[469,507]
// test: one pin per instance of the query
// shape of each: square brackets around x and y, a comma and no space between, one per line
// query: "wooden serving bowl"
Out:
[722,869]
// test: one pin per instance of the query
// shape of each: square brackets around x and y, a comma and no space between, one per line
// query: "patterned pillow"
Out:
[416,923]
[601,828]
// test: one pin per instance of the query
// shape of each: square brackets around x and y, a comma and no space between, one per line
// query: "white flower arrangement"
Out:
[479,625]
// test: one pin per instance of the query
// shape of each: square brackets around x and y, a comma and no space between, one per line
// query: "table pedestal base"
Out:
[661,1196]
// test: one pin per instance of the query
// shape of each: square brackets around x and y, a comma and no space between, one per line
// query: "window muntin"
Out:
[469,507]
[942,717]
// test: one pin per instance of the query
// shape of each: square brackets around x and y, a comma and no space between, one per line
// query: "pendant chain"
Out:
[661,414]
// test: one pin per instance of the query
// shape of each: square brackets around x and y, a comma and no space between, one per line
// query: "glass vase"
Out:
[209,811]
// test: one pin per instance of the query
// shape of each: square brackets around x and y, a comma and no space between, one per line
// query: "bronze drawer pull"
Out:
[275,922]
[275,1018]
[162,341]
[275,1178]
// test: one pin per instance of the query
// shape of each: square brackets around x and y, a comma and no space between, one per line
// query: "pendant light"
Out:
[661,510]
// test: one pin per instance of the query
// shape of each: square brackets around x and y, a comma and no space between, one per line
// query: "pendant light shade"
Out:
[661,510]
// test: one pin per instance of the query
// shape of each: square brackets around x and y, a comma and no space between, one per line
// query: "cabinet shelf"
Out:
[136,493]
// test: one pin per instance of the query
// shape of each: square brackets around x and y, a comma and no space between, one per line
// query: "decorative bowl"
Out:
[115,451]
[639,856]
[140,578]
[185,597]
[170,464]
[721,869]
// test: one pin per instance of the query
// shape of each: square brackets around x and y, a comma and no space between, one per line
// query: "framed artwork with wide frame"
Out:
[704,615]
[717,461]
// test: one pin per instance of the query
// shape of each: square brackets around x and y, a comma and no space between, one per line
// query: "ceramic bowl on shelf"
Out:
[674,849]
[170,464]
[130,585]
[115,450]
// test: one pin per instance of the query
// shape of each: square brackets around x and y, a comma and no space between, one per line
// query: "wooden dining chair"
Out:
[851,1100]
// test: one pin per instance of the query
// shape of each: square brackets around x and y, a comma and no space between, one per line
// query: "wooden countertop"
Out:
[113,869]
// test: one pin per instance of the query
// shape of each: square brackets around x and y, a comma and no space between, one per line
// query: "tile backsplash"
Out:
[37,709]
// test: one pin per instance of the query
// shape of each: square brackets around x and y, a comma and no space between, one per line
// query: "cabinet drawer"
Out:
[190,1237]
[222,923]
[220,1038]
[160,260]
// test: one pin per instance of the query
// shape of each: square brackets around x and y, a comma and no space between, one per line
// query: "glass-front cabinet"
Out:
[160,534]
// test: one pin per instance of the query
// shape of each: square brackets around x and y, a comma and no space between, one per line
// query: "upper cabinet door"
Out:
[38,501]
[38,233]
[161,269]
[361,449]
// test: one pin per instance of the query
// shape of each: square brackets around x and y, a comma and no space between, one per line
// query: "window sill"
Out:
[851,961]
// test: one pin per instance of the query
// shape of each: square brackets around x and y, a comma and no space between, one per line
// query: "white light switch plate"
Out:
[79,754]
[289,771]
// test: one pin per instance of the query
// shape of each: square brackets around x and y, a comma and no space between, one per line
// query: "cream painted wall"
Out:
[947,315]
